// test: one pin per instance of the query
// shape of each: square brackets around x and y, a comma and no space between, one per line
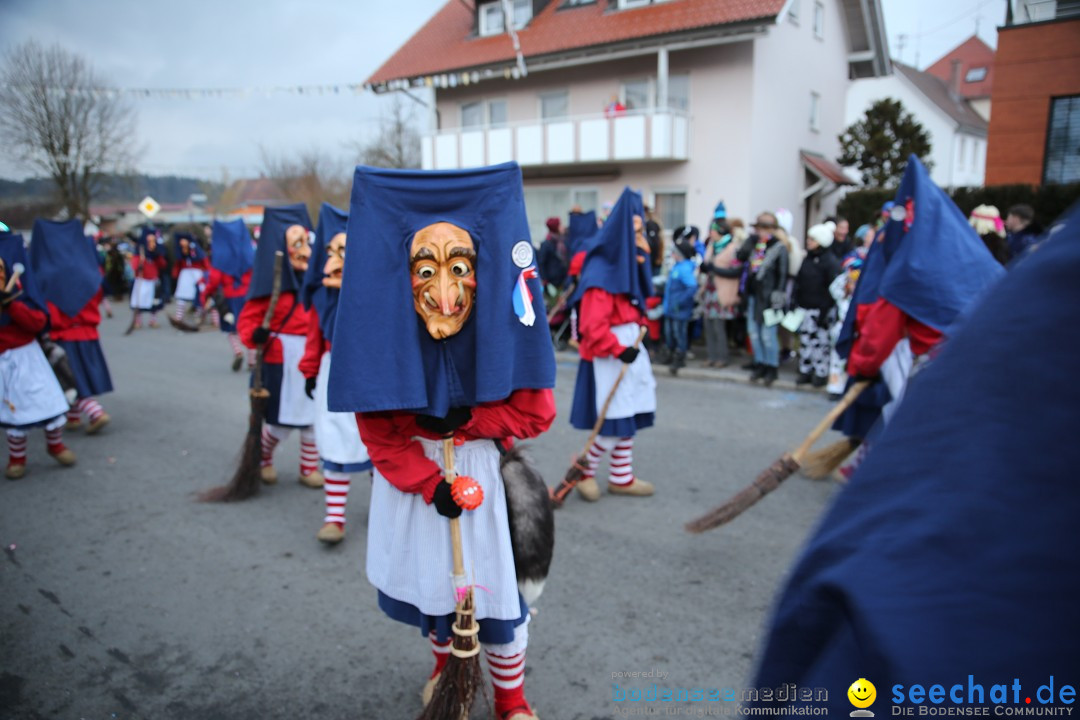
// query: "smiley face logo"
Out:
[862,694]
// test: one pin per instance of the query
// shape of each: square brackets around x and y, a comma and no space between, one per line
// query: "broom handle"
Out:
[849,397]
[560,303]
[275,294]
[455,523]
[611,394]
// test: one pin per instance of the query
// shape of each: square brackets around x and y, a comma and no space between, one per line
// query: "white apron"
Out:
[895,372]
[336,433]
[142,294]
[294,407]
[408,551]
[31,394]
[637,391]
[187,283]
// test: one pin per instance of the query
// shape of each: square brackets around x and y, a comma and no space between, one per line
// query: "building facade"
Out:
[688,101]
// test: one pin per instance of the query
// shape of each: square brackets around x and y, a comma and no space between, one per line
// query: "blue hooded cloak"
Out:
[314,294]
[12,252]
[951,557]
[233,253]
[276,220]
[65,265]
[383,356]
[611,263]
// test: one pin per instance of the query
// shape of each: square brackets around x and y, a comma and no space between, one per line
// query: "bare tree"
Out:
[59,118]
[398,142]
[310,177]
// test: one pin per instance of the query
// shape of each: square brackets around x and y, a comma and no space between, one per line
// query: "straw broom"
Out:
[576,473]
[245,481]
[461,679]
[781,469]
[821,463]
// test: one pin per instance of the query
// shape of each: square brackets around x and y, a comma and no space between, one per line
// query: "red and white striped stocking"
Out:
[599,448]
[441,651]
[234,343]
[55,440]
[336,490]
[622,462]
[89,407]
[16,440]
[181,309]
[271,436]
[309,452]
[506,663]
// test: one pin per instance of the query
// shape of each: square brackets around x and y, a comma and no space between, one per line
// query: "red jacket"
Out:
[24,326]
[230,288]
[599,312]
[881,325]
[83,326]
[185,262]
[149,270]
[390,436]
[314,347]
[290,318]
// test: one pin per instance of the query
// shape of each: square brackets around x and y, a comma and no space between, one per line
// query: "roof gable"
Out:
[935,90]
[447,42]
[973,53]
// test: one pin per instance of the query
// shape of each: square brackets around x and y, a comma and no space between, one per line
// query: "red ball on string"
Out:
[467,492]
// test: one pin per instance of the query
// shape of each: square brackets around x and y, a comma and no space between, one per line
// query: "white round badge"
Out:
[522,254]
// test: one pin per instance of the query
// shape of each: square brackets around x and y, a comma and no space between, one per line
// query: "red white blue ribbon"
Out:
[523,297]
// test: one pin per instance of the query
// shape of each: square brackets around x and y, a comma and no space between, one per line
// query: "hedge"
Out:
[1049,201]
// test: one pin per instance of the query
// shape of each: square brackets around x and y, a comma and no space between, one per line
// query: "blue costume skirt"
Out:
[492,631]
[234,306]
[272,374]
[858,419]
[583,410]
[89,367]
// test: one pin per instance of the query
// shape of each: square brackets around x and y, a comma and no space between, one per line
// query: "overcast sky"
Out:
[198,44]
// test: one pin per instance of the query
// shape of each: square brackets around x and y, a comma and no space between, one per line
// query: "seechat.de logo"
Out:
[862,694]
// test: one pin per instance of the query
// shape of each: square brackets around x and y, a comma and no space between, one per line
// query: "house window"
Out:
[472,115]
[497,113]
[635,94]
[819,21]
[815,112]
[671,209]
[678,92]
[554,105]
[585,198]
[977,74]
[492,21]
[793,12]
[625,4]
[542,203]
[1062,163]
[478,114]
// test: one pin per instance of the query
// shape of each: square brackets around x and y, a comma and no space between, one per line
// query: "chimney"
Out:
[954,79]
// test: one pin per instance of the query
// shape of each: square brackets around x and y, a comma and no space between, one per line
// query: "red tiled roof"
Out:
[826,168]
[972,53]
[447,42]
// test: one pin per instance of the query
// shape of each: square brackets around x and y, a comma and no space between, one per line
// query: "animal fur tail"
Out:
[532,522]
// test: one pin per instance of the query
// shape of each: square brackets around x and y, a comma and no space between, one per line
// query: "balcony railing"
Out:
[661,135]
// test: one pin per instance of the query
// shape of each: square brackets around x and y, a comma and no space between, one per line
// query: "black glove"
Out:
[309,387]
[867,378]
[260,336]
[443,501]
[455,418]
[629,355]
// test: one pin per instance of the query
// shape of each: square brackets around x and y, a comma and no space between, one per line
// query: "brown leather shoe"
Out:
[96,425]
[72,425]
[15,471]
[331,533]
[268,474]
[64,457]
[637,487]
[314,480]
[429,690]
[588,489]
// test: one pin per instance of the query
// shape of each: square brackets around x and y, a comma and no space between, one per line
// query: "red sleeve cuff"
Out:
[428,491]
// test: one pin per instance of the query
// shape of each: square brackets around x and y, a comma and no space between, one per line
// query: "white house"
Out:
[957,133]
[690,101]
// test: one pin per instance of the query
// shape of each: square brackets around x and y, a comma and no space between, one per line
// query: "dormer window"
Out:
[976,74]
[627,4]
[492,21]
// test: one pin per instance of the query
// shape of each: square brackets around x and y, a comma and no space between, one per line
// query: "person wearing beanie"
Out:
[679,296]
[721,301]
[553,258]
[987,222]
[819,268]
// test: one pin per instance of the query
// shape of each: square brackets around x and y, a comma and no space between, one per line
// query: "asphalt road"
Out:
[123,597]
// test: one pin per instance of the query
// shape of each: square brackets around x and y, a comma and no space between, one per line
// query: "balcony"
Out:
[661,135]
